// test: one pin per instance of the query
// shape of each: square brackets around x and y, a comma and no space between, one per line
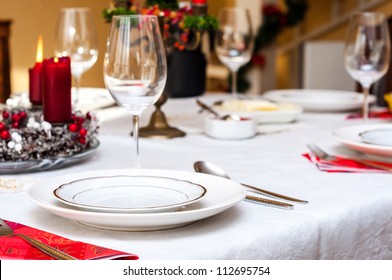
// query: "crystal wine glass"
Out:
[234,41]
[367,51]
[76,37]
[135,67]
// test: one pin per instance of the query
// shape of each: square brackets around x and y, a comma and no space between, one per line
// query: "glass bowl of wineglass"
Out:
[135,67]
[367,51]
[76,37]
[234,41]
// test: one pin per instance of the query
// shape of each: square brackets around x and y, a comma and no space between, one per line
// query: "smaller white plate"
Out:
[377,136]
[318,100]
[130,194]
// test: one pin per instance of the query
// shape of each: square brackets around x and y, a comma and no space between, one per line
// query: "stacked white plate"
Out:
[372,139]
[136,200]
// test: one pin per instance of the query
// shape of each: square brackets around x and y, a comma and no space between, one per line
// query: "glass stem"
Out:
[234,92]
[76,93]
[365,105]
[135,133]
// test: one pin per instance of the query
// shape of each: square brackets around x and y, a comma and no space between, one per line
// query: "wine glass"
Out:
[367,51]
[135,67]
[234,41]
[76,37]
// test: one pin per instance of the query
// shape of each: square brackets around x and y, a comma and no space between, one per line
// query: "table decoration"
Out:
[13,247]
[35,77]
[56,90]
[29,143]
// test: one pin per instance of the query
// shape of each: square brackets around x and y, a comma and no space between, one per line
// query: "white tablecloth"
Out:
[348,217]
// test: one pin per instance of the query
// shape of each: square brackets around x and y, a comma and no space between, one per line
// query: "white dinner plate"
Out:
[350,137]
[91,99]
[319,100]
[221,194]
[377,136]
[129,194]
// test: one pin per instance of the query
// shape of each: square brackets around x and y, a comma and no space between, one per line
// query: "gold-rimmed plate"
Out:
[129,194]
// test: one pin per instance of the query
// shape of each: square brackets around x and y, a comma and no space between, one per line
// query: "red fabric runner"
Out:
[14,247]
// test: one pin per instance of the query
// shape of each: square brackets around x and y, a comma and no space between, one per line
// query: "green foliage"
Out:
[163,4]
[109,13]
[200,22]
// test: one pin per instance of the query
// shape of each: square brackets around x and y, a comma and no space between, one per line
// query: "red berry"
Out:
[6,115]
[22,114]
[15,117]
[5,134]
[82,132]
[88,116]
[73,127]
[80,120]
[15,125]
[82,140]
[2,126]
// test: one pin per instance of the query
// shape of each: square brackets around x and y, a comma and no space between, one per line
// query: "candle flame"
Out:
[40,51]
[56,59]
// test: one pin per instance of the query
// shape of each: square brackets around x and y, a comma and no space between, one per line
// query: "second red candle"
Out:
[56,88]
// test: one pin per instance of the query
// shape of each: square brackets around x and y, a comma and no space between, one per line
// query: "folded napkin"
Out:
[346,165]
[379,114]
[14,247]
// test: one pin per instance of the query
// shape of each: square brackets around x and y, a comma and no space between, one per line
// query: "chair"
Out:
[5,76]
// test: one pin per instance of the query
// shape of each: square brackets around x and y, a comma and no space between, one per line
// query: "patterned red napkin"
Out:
[380,114]
[13,247]
[346,165]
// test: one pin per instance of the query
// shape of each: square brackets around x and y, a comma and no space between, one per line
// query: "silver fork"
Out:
[320,153]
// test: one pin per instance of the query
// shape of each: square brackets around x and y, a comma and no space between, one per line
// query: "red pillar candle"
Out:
[35,77]
[200,2]
[57,89]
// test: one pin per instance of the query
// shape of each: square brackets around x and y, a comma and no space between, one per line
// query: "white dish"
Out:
[319,100]
[229,129]
[350,137]
[91,99]
[221,194]
[129,194]
[377,136]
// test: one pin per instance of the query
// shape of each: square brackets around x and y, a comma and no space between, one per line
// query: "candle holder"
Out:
[158,126]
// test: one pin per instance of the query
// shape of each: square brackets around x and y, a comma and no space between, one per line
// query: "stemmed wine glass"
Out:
[76,37]
[367,51]
[135,67]
[234,41]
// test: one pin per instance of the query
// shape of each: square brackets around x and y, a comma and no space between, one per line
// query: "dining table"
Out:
[348,215]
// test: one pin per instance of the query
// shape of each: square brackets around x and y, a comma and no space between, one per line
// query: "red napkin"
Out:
[380,114]
[346,165]
[14,247]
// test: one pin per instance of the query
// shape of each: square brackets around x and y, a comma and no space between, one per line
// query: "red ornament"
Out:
[15,117]
[6,115]
[5,134]
[15,125]
[82,140]
[2,126]
[22,114]
[73,127]
[83,132]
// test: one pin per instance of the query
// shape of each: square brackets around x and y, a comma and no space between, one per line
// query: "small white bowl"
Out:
[230,129]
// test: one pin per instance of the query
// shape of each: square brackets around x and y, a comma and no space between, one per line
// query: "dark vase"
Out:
[186,75]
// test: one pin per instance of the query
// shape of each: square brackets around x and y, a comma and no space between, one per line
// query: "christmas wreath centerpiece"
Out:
[25,136]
